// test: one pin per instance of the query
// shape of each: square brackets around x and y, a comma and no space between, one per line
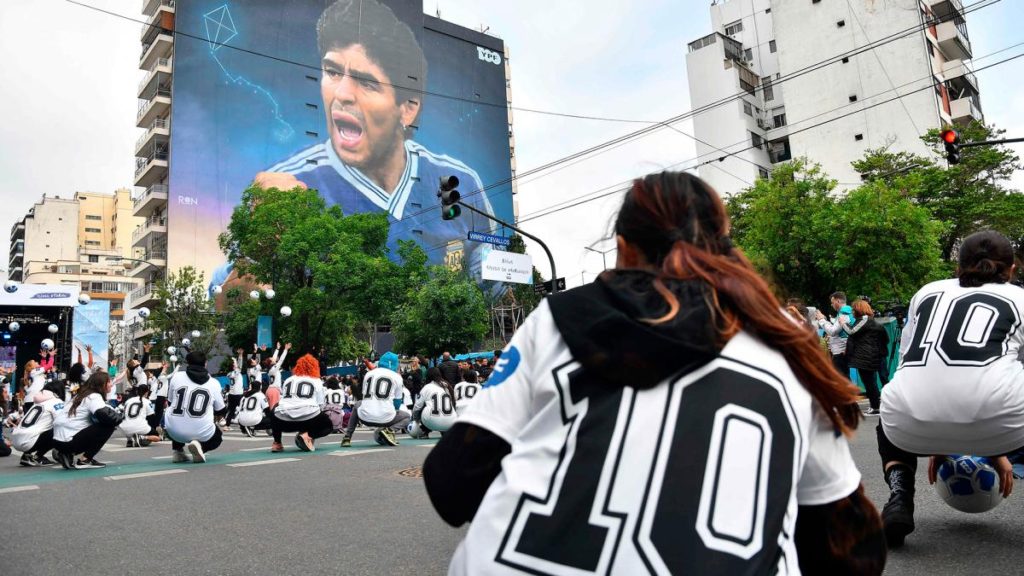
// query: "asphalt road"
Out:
[336,511]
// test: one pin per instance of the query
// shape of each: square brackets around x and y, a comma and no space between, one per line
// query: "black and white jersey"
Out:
[189,414]
[251,409]
[700,473]
[464,394]
[334,397]
[301,398]
[37,420]
[381,387]
[135,412]
[66,425]
[436,408]
[960,387]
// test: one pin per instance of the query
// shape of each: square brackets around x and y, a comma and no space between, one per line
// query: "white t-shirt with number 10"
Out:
[190,409]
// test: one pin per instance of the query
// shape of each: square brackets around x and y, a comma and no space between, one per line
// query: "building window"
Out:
[747,108]
[93,258]
[858,137]
[815,1]
[767,10]
[766,85]
[853,97]
[748,55]
[93,217]
[734,28]
[756,141]
[90,243]
[94,230]
[779,119]
[771,46]
[762,173]
[841,23]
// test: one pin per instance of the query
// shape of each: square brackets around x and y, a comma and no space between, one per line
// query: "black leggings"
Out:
[233,401]
[207,445]
[157,417]
[891,453]
[869,378]
[43,444]
[317,427]
[87,442]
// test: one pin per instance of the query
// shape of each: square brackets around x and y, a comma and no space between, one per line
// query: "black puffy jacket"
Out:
[867,345]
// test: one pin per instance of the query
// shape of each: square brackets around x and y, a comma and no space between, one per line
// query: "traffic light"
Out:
[449,197]
[951,140]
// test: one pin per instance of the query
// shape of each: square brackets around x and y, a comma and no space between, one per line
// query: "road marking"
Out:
[264,448]
[122,449]
[261,462]
[162,457]
[360,452]
[427,445]
[18,489]
[146,474]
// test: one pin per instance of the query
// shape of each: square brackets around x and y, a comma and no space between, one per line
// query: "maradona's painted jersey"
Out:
[412,206]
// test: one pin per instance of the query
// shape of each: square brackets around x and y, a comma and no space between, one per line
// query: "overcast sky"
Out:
[70,75]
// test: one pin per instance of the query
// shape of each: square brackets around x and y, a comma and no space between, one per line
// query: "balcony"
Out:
[18,230]
[151,166]
[142,296]
[157,133]
[17,258]
[162,20]
[152,227]
[159,48]
[154,260]
[944,8]
[157,107]
[159,75]
[959,77]
[149,7]
[953,41]
[966,110]
[149,200]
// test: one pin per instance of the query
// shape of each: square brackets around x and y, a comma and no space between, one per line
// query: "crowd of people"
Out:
[70,417]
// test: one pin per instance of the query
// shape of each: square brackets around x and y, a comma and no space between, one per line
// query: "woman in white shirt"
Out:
[435,408]
[85,425]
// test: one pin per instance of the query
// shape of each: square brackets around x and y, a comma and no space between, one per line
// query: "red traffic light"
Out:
[950,136]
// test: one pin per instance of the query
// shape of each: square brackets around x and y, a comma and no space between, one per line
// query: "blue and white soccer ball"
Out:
[414,430]
[143,312]
[10,286]
[14,326]
[46,344]
[84,299]
[968,483]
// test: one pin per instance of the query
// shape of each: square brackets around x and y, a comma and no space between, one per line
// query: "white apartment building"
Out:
[895,69]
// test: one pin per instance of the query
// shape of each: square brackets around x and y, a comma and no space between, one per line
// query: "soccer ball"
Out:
[269,293]
[217,289]
[47,344]
[286,311]
[968,483]
[10,286]
[255,294]
[52,329]
[186,342]
[143,312]
[414,430]
[14,326]
[173,358]
[84,299]
[171,349]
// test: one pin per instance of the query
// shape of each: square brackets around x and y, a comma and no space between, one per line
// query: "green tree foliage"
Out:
[332,270]
[447,313]
[184,307]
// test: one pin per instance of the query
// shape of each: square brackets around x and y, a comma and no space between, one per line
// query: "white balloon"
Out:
[269,293]
[14,326]
[186,342]
[121,323]
[218,289]
[143,312]
[171,349]
[47,344]
[10,286]
[52,329]
[286,311]
[173,358]
[84,299]
[196,333]
[255,294]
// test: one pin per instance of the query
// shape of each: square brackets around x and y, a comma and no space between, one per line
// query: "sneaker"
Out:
[872,412]
[179,456]
[346,442]
[129,444]
[65,460]
[245,430]
[87,463]
[143,442]
[29,460]
[389,437]
[304,442]
[196,449]
[378,438]
[898,513]
[276,447]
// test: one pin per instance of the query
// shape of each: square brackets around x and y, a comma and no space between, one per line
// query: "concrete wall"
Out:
[51,231]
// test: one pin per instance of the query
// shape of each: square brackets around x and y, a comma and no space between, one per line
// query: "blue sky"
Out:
[71,75]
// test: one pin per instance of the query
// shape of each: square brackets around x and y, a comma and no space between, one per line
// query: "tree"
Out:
[332,270]
[183,308]
[447,313]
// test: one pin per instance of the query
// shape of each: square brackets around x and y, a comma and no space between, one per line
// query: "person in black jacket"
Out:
[450,370]
[865,348]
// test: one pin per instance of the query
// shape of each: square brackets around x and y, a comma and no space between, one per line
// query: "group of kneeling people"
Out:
[74,428]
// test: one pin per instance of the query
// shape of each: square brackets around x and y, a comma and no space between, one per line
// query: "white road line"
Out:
[427,445]
[146,474]
[262,462]
[265,448]
[162,457]
[356,453]
[122,449]
[18,489]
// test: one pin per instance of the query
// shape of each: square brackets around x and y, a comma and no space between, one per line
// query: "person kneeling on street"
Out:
[299,409]
[82,427]
[194,397]
[381,397]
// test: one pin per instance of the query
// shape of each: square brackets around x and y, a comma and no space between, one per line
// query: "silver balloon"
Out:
[52,329]
[286,311]
[14,326]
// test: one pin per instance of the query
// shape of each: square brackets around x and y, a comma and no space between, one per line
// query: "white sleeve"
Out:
[218,399]
[280,360]
[908,331]
[829,473]
[421,401]
[150,410]
[503,405]
[318,391]
[264,404]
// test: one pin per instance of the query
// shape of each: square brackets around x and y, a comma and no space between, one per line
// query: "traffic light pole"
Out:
[551,259]
[990,142]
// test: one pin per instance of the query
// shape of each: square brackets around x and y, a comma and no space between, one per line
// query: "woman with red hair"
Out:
[299,409]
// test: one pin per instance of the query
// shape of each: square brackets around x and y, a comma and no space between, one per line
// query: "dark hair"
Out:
[985,257]
[389,42]
[141,390]
[196,358]
[56,387]
[332,383]
[434,375]
[680,225]
[96,384]
[471,376]
[76,372]
[839,296]
[497,354]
